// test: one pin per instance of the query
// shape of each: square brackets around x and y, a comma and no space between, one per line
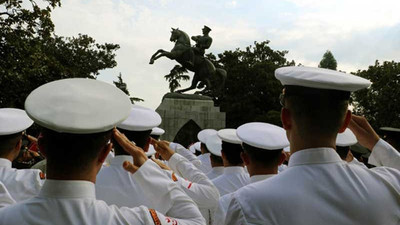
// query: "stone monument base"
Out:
[184,115]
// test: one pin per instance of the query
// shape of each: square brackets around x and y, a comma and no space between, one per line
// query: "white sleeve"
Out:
[220,213]
[5,197]
[357,163]
[162,191]
[235,214]
[383,154]
[197,185]
[185,153]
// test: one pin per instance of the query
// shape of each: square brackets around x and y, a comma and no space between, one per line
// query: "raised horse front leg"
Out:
[155,56]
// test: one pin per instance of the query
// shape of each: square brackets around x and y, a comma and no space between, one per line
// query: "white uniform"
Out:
[196,184]
[115,185]
[358,163]
[319,188]
[233,178]
[224,201]
[383,154]
[74,202]
[205,162]
[215,172]
[22,184]
[186,153]
[5,197]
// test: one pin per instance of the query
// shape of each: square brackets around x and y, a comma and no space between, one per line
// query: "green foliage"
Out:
[31,54]
[251,90]
[123,87]
[328,61]
[380,103]
[175,76]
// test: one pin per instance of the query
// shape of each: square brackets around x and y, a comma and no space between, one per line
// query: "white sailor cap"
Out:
[286,149]
[214,145]
[192,148]
[320,78]
[13,121]
[157,131]
[78,105]
[141,119]
[197,146]
[204,134]
[229,135]
[151,151]
[263,135]
[347,138]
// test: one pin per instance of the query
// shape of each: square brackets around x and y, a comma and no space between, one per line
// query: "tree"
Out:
[251,90]
[328,61]
[380,103]
[123,87]
[175,76]
[31,54]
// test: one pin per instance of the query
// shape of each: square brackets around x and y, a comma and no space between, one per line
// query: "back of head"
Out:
[141,139]
[232,153]
[262,158]
[8,143]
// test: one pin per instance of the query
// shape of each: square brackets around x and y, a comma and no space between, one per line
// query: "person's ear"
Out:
[104,153]
[245,157]
[282,158]
[286,119]
[346,122]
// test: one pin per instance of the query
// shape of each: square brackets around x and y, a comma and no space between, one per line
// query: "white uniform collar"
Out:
[314,156]
[256,178]
[218,169]
[5,163]
[234,169]
[68,189]
[118,160]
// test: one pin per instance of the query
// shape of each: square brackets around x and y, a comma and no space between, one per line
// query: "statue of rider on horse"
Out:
[192,58]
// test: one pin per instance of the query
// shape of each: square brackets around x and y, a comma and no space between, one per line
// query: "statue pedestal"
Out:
[184,115]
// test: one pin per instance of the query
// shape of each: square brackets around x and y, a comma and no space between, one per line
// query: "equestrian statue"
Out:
[192,58]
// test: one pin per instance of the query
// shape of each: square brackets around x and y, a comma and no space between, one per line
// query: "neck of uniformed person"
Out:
[79,157]
[261,162]
[313,117]
[10,146]
[231,154]
[216,161]
[204,149]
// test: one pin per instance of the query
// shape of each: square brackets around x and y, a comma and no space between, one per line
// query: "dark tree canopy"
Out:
[174,77]
[328,61]
[124,87]
[31,54]
[252,91]
[380,103]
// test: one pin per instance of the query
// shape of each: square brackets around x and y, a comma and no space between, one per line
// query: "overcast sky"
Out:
[358,32]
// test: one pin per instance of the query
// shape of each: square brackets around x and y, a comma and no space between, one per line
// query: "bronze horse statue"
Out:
[205,73]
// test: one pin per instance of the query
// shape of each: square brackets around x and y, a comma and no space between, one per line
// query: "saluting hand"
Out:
[162,147]
[363,131]
[139,157]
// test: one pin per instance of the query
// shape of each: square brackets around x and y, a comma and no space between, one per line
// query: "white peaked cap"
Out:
[214,144]
[263,135]
[347,138]
[192,148]
[157,131]
[13,121]
[141,119]
[151,151]
[204,134]
[320,78]
[78,106]
[197,146]
[229,135]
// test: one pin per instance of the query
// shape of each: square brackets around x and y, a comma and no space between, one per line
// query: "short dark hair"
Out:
[204,146]
[8,143]
[266,158]
[155,136]
[216,159]
[139,137]
[232,153]
[68,153]
[316,111]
